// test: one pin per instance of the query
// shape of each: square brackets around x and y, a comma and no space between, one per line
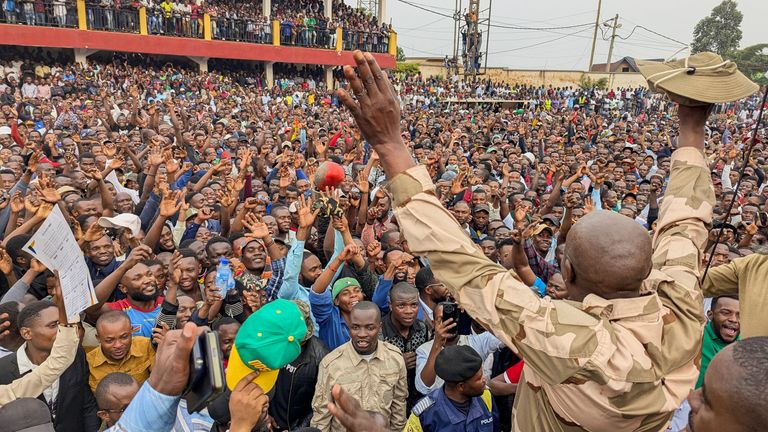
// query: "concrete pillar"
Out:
[81,55]
[328,8]
[328,77]
[202,63]
[266,7]
[382,12]
[269,72]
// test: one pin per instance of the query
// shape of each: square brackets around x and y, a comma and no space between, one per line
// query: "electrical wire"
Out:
[541,43]
[650,31]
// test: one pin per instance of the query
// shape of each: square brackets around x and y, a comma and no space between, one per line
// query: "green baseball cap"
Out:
[268,340]
[343,284]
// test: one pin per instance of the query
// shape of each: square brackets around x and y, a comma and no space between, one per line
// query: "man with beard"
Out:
[119,350]
[370,370]
[302,268]
[136,280]
[431,293]
[403,329]
[463,403]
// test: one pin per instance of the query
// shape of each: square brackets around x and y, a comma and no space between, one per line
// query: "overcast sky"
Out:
[425,34]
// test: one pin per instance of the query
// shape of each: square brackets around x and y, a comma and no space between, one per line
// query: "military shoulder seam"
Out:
[422,405]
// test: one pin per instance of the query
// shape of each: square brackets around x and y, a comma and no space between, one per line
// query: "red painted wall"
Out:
[166,45]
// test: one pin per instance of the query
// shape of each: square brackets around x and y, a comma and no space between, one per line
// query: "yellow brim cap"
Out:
[237,370]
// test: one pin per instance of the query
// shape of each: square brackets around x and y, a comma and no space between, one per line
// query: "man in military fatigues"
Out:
[463,404]
[370,370]
[620,354]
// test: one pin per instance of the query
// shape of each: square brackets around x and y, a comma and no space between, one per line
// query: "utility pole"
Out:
[488,36]
[456,21]
[613,39]
[594,35]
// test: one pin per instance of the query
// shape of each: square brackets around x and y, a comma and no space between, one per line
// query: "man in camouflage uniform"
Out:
[370,370]
[621,353]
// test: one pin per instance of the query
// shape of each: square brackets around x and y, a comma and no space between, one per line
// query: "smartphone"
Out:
[206,372]
[460,317]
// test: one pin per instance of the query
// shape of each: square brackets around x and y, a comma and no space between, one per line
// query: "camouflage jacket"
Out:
[595,365]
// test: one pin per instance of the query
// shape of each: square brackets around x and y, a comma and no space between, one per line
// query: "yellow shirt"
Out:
[138,363]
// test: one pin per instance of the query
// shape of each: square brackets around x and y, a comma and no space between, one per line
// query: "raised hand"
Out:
[376,110]
[94,232]
[170,204]
[31,204]
[373,249]
[6,264]
[306,214]
[257,226]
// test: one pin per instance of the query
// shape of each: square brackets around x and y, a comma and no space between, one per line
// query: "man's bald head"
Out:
[606,254]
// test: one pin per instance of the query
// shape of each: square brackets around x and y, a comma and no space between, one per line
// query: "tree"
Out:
[720,32]
[752,62]
[400,54]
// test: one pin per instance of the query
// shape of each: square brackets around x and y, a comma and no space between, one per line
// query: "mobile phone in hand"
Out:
[206,372]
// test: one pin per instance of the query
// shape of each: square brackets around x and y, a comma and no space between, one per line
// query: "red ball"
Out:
[329,174]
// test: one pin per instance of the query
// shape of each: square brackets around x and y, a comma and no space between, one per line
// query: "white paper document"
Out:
[55,246]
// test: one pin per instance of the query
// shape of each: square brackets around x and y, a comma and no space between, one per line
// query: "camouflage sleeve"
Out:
[555,338]
[722,280]
[677,251]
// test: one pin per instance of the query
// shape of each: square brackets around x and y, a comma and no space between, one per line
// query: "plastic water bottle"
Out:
[224,281]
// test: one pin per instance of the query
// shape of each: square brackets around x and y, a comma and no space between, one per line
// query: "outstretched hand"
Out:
[376,110]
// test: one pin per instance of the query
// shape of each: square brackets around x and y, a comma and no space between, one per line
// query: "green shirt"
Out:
[711,345]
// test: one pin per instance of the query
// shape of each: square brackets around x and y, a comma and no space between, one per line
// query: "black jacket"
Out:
[290,403]
[75,406]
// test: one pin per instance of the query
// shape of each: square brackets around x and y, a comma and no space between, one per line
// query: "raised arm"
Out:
[680,236]
[491,295]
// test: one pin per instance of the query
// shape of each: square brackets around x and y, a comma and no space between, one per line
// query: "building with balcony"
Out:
[159,28]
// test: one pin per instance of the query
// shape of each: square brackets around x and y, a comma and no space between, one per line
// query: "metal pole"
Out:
[456,18]
[613,38]
[594,35]
[488,37]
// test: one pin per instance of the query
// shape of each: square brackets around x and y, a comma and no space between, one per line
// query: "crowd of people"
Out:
[302,23]
[164,174]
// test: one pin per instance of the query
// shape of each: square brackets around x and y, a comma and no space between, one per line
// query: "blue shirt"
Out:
[437,413]
[381,297]
[291,289]
[333,329]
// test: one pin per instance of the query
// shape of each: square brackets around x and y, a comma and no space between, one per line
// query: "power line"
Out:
[541,43]
[426,9]
[502,25]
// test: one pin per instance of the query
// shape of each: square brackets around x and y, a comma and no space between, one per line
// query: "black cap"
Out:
[457,363]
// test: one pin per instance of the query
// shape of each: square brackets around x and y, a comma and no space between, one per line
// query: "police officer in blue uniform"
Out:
[463,403]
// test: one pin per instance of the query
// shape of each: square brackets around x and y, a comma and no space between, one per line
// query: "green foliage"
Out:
[400,54]
[587,83]
[720,32]
[407,68]
[752,62]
